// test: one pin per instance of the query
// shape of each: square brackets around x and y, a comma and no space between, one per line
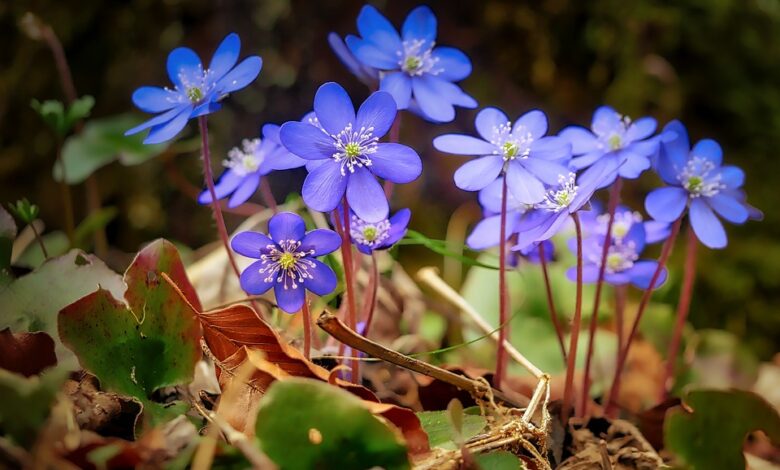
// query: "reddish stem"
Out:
[503,296]
[369,300]
[611,406]
[568,390]
[346,253]
[620,308]
[686,292]
[395,131]
[207,176]
[306,329]
[268,196]
[551,302]
[614,197]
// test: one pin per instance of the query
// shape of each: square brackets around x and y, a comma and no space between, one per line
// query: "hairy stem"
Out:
[551,302]
[503,295]
[611,406]
[369,300]
[306,329]
[349,280]
[574,335]
[686,292]
[614,197]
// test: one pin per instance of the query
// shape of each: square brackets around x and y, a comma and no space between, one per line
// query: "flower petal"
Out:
[460,144]
[478,173]
[605,121]
[245,190]
[420,24]
[322,241]
[398,224]
[152,99]
[488,121]
[366,196]
[590,274]
[227,183]
[324,187]
[641,129]
[251,244]
[183,66]
[545,170]
[642,273]
[159,119]
[582,140]
[733,177]
[633,164]
[524,186]
[486,233]
[242,75]
[253,281]
[378,111]
[286,226]
[375,28]
[364,73]
[430,100]
[453,64]
[666,204]
[729,208]
[709,150]
[323,280]
[533,122]
[306,141]
[333,108]
[371,55]
[289,299]
[706,225]
[167,131]
[226,55]
[396,162]
[399,85]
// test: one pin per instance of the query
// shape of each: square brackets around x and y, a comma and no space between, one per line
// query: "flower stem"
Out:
[268,196]
[686,292]
[620,308]
[551,302]
[207,176]
[503,295]
[614,197]
[369,300]
[306,329]
[574,335]
[349,280]
[611,402]
[395,131]
[39,239]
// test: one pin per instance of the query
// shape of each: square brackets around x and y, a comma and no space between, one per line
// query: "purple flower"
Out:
[196,91]
[529,159]
[287,260]
[382,235]
[248,163]
[348,147]
[612,135]
[368,75]
[418,74]
[697,180]
[595,221]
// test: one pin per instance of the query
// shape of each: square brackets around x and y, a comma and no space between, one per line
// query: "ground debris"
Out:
[608,444]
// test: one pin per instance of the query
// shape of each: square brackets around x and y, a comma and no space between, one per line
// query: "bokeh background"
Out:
[714,64]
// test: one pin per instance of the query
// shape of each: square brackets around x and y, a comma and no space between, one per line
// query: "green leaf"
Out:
[141,346]
[53,112]
[455,415]
[25,402]
[101,142]
[440,247]
[25,210]
[79,109]
[500,460]
[438,426]
[32,302]
[712,435]
[303,423]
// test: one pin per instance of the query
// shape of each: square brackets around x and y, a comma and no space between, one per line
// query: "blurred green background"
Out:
[715,64]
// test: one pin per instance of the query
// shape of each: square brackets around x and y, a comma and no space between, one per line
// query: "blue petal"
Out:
[490,197]
[706,225]
[642,273]
[478,173]
[271,132]
[165,132]
[306,141]
[548,172]
[430,100]
[227,183]
[733,177]
[226,55]
[323,280]
[488,121]
[533,122]
[679,145]
[365,74]
[377,29]
[666,204]
[282,159]
[286,226]
[524,186]
[159,119]
[656,231]
[253,281]
[582,140]
[729,208]
[291,299]
[241,76]
[184,63]
[599,175]
[459,144]
[617,279]
[251,244]
[605,121]
[633,164]
[420,24]
[453,65]
[398,223]
[333,108]
[322,241]
[641,129]
[369,54]
[366,196]
[399,85]
[709,150]
[551,148]
[486,233]
[324,187]
[245,190]
[586,160]
[152,99]
[590,274]
[396,162]
[378,111]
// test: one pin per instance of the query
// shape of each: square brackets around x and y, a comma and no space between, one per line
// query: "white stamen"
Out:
[245,160]
[369,234]
[354,147]
[415,61]
[511,145]
[698,179]
[556,201]
[286,265]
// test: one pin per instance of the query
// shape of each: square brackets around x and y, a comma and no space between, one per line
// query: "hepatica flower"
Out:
[351,156]
[612,135]
[366,74]
[487,232]
[287,260]
[529,159]
[414,70]
[594,223]
[698,180]
[382,235]
[246,164]
[196,91]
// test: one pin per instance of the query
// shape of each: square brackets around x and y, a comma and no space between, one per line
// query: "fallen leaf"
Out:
[26,353]
[25,402]
[440,429]
[600,442]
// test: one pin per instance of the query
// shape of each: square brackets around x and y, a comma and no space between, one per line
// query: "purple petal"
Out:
[605,121]
[364,73]
[733,177]
[245,190]
[642,273]
[617,279]
[371,55]
[226,55]
[490,197]
[547,171]
[167,131]
[709,150]
[251,244]
[396,162]
[366,196]
[453,64]
[656,231]
[590,273]
[584,161]
[641,129]
[666,204]
[430,100]
[533,122]
[478,173]
[551,148]
[324,187]
[333,108]
[374,27]
[322,241]
[399,85]
[253,281]
[152,99]
[227,183]
[420,24]
[486,233]
[459,144]
[322,281]
[524,186]
[398,224]
[159,119]
[729,208]
[286,226]
[289,299]
[488,121]
[283,159]
[183,63]
[582,140]
[306,141]
[378,111]
[633,164]
[706,225]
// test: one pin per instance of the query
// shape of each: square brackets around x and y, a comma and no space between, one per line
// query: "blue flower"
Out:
[368,75]
[595,221]
[529,159]
[287,260]
[612,135]
[697,180]
[623,265]
[348,147]
[418,74]
[248,163]
[196,91]
[382,235]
